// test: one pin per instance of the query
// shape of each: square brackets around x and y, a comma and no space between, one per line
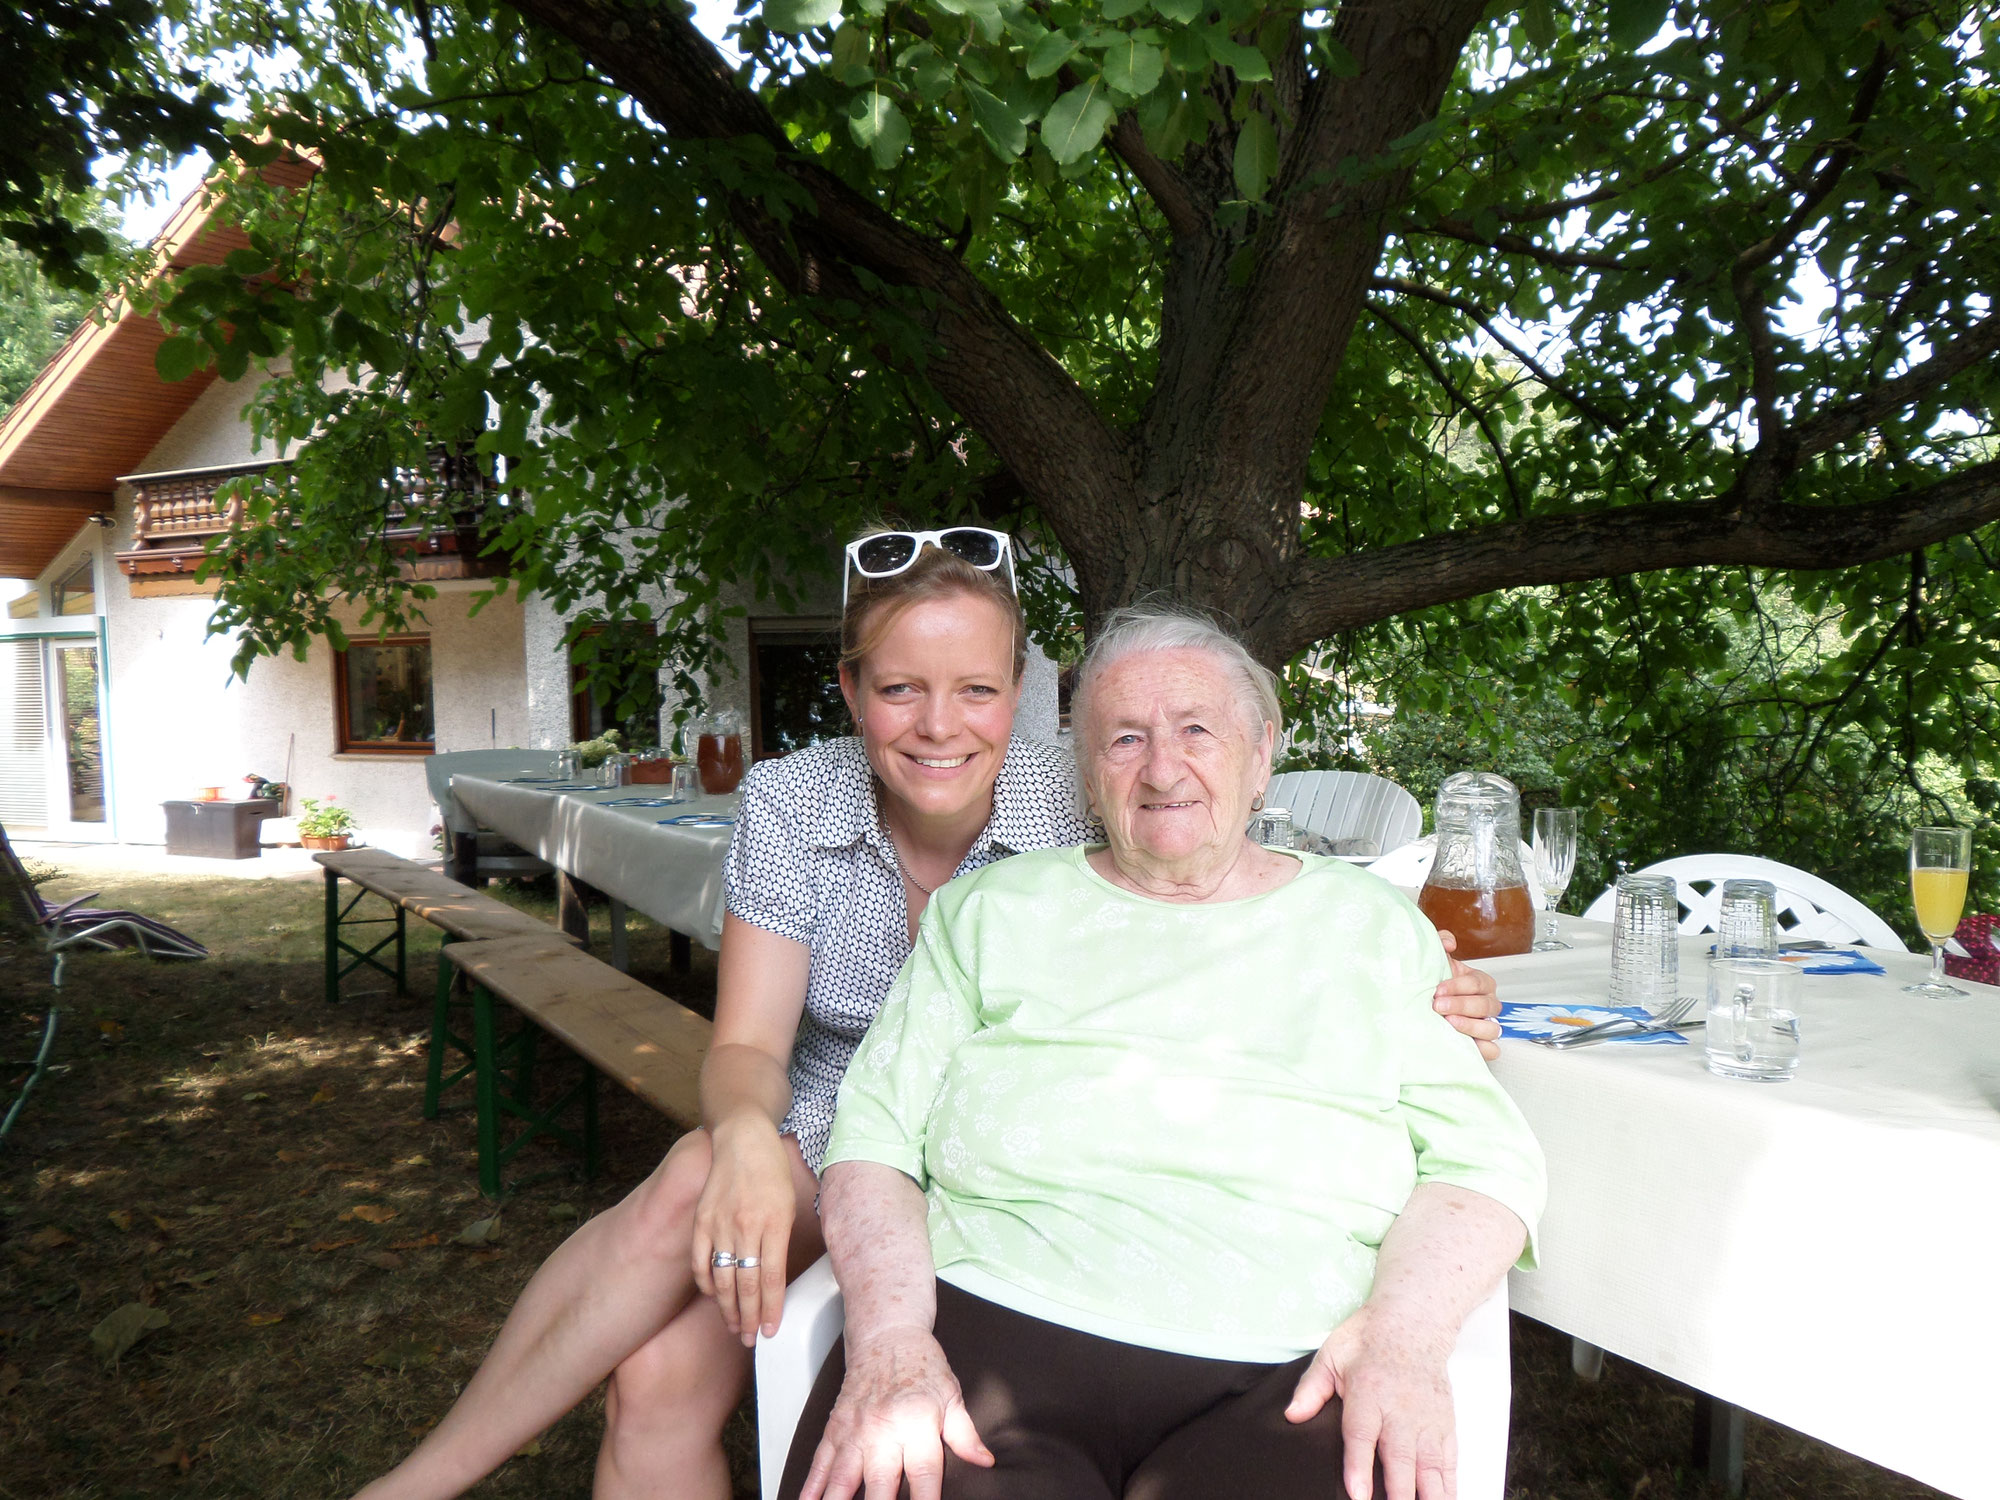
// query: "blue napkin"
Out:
[1521,1021]
[699,820]
[638,802]
[1833,961]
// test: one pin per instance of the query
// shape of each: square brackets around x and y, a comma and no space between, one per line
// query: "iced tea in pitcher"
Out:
[1476,889]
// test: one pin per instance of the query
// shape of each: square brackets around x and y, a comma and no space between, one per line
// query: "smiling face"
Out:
[935,699]
[1170,763]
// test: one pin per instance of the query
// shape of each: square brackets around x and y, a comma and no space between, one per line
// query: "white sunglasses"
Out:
[887,553]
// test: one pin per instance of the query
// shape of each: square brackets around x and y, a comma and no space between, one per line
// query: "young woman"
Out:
[837,850]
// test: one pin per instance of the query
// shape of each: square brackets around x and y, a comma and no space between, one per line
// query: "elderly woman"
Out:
[1210,1187]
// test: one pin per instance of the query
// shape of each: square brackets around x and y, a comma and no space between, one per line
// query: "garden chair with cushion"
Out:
[74,925]
[1360,814]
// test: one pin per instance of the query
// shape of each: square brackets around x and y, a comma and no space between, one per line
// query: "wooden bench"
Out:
[618,1026]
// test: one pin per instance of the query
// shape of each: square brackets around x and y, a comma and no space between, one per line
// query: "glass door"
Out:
[77,696]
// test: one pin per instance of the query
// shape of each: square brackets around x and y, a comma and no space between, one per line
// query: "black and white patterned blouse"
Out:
[811,861]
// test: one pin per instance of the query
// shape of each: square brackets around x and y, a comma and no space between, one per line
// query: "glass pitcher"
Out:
[1475,889]
[719,752]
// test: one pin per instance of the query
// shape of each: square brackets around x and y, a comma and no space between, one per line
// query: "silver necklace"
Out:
[928,890]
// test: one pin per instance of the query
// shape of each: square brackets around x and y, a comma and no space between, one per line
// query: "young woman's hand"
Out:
[1469,999]
[746,1208]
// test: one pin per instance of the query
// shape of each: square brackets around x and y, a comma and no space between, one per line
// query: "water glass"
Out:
[687,781]
[612,770]
[1645,942]
[1753,1019]
[1272,827]
[1748,924]
[569,762]
[1555,862]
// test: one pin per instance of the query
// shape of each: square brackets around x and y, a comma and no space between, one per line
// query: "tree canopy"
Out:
[1573,341]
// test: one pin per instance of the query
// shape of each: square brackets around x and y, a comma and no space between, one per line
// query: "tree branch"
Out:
[1837,424]
[1518,244]
[1459,399]
[1166,187]
[1344,593]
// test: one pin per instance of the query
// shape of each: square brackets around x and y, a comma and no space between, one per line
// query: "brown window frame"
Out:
[579,685]
[345,746]
[773,630]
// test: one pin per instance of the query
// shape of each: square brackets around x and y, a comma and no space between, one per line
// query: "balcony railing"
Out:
[437,518]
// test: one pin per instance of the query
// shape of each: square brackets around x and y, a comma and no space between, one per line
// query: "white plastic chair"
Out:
[1406,867]
[492,860]
[1348,805]
[1808,907]
[1482,1387]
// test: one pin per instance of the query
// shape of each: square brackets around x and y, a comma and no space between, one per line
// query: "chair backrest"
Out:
[1482,1389]
[1348,805]
[1406,867]
[17,890]
[439,769]
[1808,907]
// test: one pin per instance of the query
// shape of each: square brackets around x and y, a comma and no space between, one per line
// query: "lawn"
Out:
[221,1148]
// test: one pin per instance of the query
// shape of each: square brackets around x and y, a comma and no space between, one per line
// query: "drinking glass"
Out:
[1646,942]
[686,781]
[1555,862]
[1752,1030]
[569,763]
[1940,867]
[1748,924]
[1272,827]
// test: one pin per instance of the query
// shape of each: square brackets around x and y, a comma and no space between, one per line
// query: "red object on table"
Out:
[1975,936]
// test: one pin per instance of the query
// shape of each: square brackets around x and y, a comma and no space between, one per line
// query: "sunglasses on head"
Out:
[887,553]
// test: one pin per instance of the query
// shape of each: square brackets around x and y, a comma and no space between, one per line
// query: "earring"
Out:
[1257,803]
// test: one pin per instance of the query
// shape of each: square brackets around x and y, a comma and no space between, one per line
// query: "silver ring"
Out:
[746,1262]
[722,1260]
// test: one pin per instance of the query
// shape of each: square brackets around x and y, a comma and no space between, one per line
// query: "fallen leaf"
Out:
[532,1450]
[286,1154]
[193,1278]
[161,1224]
[479,1232]
[10,1376]
[124,1328]
[423,1243]
[408,1354]
[323,1096]
[370,1213]
[386,1260]
[51,1238]
[110,1030]
[340,1166]
[561,1212]
[485,1257]
[255,1098]
[122,1217]
[264,1320]
[206,1211]
[419,1160]
[335,1244]
[175,1457]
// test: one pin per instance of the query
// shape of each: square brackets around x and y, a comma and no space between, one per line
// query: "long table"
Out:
[1814,1251]
[672,873]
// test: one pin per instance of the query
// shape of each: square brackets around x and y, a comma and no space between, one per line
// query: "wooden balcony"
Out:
[437,521]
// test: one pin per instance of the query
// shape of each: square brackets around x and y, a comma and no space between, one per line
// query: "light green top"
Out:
[1181,1126]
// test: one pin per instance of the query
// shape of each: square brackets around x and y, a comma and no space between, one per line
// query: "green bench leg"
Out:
[339,919]
[486,1088]
[494,1101]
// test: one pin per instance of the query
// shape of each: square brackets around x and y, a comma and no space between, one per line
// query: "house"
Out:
[117,694]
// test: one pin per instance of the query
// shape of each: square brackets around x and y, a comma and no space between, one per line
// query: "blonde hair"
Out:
[875,604]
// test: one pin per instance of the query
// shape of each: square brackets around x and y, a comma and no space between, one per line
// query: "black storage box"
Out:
[217,830]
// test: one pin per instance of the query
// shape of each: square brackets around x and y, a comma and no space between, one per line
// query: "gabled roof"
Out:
[99,407]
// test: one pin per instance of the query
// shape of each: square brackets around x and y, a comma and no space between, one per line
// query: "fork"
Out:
[1666,1020]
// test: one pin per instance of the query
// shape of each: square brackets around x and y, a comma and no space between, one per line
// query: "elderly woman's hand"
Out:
[1395,1405]
[1469,999]
[899,1408]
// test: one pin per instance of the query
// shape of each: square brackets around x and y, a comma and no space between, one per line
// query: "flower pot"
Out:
[325,841]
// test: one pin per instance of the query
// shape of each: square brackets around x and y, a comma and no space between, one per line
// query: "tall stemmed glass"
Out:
[1555,862]
[1940,867]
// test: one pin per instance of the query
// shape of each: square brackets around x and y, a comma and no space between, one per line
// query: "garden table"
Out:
[672,873]
[1815,1251]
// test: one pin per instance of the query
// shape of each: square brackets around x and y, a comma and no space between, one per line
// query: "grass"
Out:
[219,1145]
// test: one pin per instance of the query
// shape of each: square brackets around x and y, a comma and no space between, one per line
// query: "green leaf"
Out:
[1247,63]
[1050,53]
[1179,10]
[1118,10]
[179,357]
[999,126]
[1256,156]
[851,47]
[1633,23]
[794,16]
[1538,23]
[1132,67]
[876,124]
[1076,122]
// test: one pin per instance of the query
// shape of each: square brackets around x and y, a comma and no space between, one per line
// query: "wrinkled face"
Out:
[935,703]
[1170,764]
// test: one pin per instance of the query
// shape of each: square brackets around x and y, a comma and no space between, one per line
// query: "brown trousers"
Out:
[1070,1416]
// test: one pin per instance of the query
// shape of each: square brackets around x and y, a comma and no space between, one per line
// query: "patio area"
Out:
[221,1147]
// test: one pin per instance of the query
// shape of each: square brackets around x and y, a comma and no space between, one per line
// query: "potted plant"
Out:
[323,825]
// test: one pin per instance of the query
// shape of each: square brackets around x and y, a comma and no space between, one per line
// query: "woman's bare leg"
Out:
[669,1400]
[608,1289]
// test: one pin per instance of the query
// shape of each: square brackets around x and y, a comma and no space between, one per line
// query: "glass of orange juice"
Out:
[1940,866]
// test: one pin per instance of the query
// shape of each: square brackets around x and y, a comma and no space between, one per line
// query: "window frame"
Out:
[780,630]
[402,748]
[60,591]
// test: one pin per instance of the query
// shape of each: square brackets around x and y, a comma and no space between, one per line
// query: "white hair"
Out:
[1145,628]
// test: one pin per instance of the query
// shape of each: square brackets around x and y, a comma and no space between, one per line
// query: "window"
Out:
[614,683]
[795,685]
[74,593]
[382,694]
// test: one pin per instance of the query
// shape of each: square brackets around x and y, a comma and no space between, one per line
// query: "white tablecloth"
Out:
[672,874]
[1815,1251]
